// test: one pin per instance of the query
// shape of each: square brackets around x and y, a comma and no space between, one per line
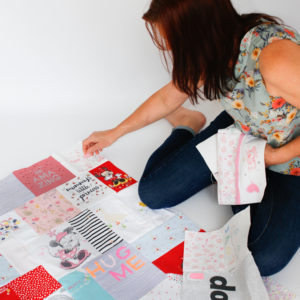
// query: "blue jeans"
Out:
[176,171]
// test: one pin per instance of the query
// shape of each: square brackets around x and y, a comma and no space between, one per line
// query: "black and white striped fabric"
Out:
[96,232]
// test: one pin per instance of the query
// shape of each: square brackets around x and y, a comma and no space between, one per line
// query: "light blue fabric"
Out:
[7,272]
[82,287]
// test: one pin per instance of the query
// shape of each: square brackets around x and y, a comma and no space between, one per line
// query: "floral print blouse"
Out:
[254,110]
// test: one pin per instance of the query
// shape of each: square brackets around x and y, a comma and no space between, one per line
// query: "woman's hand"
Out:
[98,140]
[270,156]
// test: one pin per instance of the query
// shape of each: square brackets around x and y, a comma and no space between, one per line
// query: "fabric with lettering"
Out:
[84,190]
[47,211]
[112,176]
[82,287]
[128,216]
[164,237]
[13,193]
[218,264]
[96,232]
[124,273]
[43,176]
[34,285]
[75,160]
[7,271]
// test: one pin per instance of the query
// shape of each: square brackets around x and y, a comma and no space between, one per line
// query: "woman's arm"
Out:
[279,64]
[160,104]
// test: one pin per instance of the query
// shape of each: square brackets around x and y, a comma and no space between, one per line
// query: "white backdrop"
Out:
[68,68]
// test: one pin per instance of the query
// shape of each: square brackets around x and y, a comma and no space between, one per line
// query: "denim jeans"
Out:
[176,171]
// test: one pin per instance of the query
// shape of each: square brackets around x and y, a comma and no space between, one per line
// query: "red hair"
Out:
[203,39]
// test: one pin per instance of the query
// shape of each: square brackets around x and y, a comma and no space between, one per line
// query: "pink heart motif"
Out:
[253,188]
[35,219]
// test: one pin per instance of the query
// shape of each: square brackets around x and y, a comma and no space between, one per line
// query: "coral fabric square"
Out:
[112,176]
[44,176]
[34,285]
[47,211]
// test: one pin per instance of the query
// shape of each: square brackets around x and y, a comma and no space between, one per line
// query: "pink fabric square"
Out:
[44,176]
[47,211]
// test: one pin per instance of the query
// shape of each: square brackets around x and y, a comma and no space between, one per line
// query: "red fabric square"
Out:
[8,294]
[112,176]
[34,285]
[44,176]
[172,261]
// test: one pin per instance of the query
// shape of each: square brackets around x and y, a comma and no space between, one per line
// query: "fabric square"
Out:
[82,287]
[219,264]
[276,291]
[128,216]
[47,211]
[169,289]
[8,294]
[96,232]
[34,285]
[75,160]
[60,294]
[61,251]
[84,191]
[7,271]
[9,223]
[12,194]
[124,273]
[112,176]
[164,237]
[44,176]
[172,261]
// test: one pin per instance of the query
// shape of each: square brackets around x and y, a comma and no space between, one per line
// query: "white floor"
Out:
[26,139]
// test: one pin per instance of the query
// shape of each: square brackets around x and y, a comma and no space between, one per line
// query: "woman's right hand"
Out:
[98,140]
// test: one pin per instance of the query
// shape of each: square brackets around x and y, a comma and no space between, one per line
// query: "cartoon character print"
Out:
[115,179]
[66,247]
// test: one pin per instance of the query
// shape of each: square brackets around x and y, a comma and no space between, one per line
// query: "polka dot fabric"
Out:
[34,285]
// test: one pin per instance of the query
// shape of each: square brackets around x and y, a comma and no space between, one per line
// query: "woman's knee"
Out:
[271,262]
[150,195]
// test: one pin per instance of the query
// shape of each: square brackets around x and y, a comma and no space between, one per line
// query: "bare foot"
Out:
[186,117]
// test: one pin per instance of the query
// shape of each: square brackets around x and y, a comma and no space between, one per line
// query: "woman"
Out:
[251,63]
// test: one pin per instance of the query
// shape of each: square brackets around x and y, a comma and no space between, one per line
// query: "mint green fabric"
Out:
[254,110]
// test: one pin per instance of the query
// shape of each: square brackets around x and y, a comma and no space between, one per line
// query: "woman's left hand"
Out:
[270,156]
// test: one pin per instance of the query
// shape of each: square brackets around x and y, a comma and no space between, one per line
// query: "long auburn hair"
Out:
[202,38]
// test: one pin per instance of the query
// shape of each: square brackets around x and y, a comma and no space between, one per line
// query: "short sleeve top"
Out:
[253,109]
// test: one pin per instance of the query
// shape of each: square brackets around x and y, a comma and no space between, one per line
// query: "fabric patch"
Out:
[128,216]
[47,211]
[276,291]
[61,250]
[34,285]
[124,273]
[8,294]
[7,271]
[44,176]
[12,194]
[169,289]
[96,232]
[112,176]
[219,263]
[82,287]
[8,225]
[172,261]
[84,191]
[75,160]
[164,237]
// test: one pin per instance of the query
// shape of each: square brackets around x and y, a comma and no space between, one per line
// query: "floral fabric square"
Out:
[47,211]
